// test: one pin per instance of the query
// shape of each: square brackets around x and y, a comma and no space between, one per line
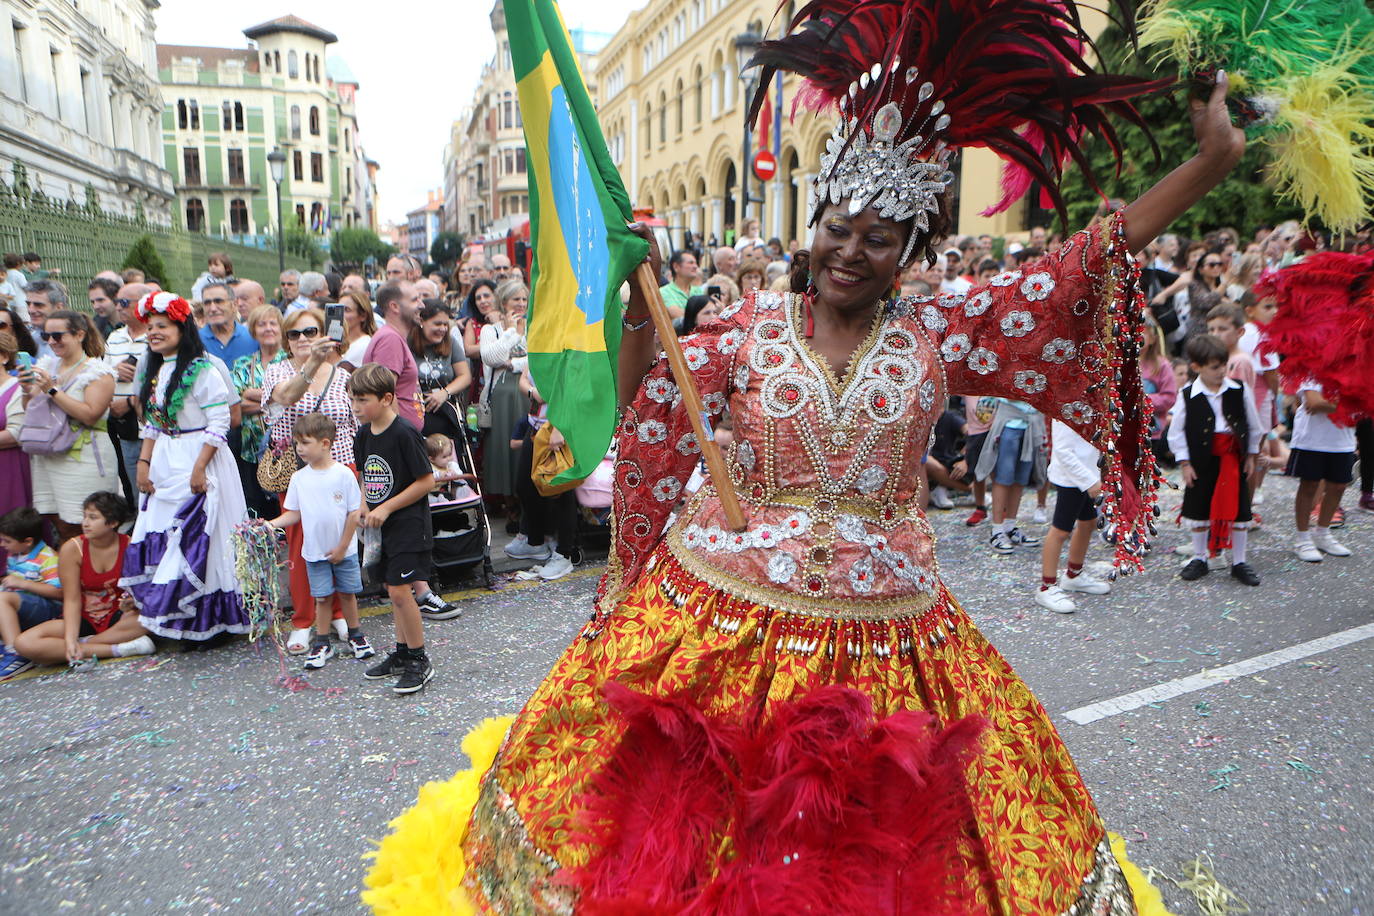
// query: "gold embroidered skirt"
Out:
[1037,845]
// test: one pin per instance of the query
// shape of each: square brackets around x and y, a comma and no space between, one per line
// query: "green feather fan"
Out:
[1302,76]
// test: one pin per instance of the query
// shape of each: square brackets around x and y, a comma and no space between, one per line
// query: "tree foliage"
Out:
[351,247]
[1244,200]
[143,256]
[302,244]
[447,248]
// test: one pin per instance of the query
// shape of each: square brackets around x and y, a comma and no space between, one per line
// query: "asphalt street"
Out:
[197,782]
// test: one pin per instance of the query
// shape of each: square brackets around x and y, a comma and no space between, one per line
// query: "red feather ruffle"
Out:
[818,809]
[1324,328]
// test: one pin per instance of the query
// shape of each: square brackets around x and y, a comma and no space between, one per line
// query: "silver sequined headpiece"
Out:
[870,168]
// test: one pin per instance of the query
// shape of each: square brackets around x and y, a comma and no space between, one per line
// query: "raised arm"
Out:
[1219,147]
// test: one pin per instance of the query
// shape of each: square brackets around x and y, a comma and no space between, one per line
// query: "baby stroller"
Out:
[462,532]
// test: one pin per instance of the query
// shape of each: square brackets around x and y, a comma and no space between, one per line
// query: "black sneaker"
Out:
[320,652]
[436,608]
[1194,569]
[1243,574]
[361,647]
[415,675]
[388,667]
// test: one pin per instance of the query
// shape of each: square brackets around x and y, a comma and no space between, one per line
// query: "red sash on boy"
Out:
[1226,494]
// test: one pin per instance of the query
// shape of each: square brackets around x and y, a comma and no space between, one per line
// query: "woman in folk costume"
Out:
[179,567]
[799,717]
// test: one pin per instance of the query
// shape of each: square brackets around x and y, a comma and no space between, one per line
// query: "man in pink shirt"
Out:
[399,303]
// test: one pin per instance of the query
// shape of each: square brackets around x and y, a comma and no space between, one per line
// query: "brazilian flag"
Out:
[582,250]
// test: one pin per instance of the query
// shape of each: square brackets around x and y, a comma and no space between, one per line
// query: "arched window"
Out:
[696,81]
[238,217]
[348,143]
[681,103]
[662,118]
[295,122]
[181,114]
[507,111]
[238,116]
[314,121]
[228,116]
[293,67]
[648,127]
[195,215]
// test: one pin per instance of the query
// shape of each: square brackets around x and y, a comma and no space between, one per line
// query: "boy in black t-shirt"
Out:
[396,478]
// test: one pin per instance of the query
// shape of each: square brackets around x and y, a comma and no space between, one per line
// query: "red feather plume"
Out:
[817,809]
[1011,74]
[1324,328]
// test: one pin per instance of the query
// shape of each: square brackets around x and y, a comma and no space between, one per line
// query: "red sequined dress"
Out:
[768,720]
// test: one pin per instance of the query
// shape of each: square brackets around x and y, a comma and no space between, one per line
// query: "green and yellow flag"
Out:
[582,250]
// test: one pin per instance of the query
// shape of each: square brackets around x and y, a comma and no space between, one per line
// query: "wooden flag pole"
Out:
[691,398]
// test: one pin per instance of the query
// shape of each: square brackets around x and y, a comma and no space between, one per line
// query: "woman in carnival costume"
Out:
[179,568]
[800,717]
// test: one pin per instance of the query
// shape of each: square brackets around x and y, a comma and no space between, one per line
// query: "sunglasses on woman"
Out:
[53,335]
[308,333]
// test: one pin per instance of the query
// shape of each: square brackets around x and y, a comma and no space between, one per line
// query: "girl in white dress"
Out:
[180,563]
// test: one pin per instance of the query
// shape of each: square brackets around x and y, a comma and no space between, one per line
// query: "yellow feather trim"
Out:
[419,867]
[1148,900]
[1324,149]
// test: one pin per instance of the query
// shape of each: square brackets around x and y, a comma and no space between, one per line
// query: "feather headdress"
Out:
[1302,73]
[913,80]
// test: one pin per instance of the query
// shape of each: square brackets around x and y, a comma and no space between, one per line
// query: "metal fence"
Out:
[83,240]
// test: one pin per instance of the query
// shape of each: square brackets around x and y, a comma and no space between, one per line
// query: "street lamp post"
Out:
[745,44]
[276,161]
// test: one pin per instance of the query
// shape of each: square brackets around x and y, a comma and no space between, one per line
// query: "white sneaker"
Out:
[1055,599]
[1328,544]
[1258,498]
[1039,517]
[939,498]
[298,642]
[1086,583]
[1306,550]
[557,567]
[340,629]
[1184,550]
[143,645]
[520,549]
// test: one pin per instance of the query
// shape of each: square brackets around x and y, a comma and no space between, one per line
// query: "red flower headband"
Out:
[169,304]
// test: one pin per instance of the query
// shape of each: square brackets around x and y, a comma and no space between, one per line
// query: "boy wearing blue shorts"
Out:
[324,499]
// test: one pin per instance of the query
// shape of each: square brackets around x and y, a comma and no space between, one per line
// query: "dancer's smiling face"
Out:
[854,256]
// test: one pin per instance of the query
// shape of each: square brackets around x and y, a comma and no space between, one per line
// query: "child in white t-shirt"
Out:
[1323,460]
[324,499]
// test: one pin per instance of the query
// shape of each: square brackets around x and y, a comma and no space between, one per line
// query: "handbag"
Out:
[548,462]
[279,460]
[47,428]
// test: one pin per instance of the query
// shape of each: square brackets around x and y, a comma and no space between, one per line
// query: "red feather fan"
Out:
[1324,328]
[819,809]
[1010,74]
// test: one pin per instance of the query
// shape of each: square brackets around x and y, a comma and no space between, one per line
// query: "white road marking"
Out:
[1084,715]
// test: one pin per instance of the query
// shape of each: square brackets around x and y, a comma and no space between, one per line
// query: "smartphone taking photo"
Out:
[334,321]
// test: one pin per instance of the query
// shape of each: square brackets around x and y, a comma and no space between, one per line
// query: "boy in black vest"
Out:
[1215,434]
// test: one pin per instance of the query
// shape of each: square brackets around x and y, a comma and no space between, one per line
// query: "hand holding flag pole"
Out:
[647,283]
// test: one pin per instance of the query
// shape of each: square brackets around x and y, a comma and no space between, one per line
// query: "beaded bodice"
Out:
[828,468]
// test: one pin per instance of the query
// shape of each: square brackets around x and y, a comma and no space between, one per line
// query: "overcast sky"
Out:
[417,63]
